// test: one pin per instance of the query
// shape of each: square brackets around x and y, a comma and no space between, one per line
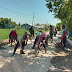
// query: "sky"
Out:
[23,10]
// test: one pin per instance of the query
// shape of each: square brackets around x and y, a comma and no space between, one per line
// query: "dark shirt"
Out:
[24,37]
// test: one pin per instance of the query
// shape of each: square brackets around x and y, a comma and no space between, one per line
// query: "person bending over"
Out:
[23,40]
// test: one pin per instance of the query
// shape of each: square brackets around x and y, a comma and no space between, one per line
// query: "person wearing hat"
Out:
[63,36]
[23,40]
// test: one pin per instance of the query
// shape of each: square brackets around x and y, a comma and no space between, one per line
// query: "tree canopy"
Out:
[62,10]
[7,23]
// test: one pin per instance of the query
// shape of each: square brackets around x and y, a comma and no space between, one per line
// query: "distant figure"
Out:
[23,40]
[69,34]
[31,30]
[63,35]
[13,36]
[51,33]
[55,32]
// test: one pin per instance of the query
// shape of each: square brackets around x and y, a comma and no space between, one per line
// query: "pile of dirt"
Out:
[2,43]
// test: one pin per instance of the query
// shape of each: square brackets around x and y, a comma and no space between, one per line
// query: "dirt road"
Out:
[28,62]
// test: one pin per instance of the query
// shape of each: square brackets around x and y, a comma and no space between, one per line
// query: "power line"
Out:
[14,16]
[8,16]
[15,3]
[12,13]
[11,10]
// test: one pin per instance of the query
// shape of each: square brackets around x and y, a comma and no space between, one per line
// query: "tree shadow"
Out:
[25,63]
[62,63]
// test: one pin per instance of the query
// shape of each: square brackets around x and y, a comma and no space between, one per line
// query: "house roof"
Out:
[41,25]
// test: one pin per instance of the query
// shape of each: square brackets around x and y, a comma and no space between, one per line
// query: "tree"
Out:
[45,27]
[62,10]
[58,26]
[19,24]
[37,24]
[7,23]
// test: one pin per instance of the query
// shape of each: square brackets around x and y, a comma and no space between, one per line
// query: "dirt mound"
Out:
[2,43]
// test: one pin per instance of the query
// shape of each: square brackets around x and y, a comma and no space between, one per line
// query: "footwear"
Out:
[39,49]
[12,55]
[36,55]
[51,40]
[67,49]
[11,44]
[45,50]
[33,48]
[21,52]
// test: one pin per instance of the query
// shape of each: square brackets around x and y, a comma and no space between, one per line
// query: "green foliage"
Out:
[6,23]
[37,24]
[4,33]
[46,27]
[62,10]
[69,24]
[18,26]
[58,26]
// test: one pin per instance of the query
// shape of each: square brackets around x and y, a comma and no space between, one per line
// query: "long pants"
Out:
[51,36]
[44,44]
[35,42]
[17,45]
[64,42]
[9,39]
[14,38]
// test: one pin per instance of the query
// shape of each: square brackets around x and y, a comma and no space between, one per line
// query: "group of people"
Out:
[63,35]
[41,39]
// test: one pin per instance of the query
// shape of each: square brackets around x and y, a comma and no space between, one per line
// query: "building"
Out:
[40,26]
[27,26]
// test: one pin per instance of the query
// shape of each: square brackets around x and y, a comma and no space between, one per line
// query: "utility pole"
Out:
[46,22]
[33,20]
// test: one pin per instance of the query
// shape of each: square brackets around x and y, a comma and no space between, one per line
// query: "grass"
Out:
[4,33]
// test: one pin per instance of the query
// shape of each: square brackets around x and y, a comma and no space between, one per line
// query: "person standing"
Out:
[63,36]
[55,32]
[51,33]
[31,30]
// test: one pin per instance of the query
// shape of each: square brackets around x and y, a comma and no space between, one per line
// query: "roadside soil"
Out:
[55,60]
